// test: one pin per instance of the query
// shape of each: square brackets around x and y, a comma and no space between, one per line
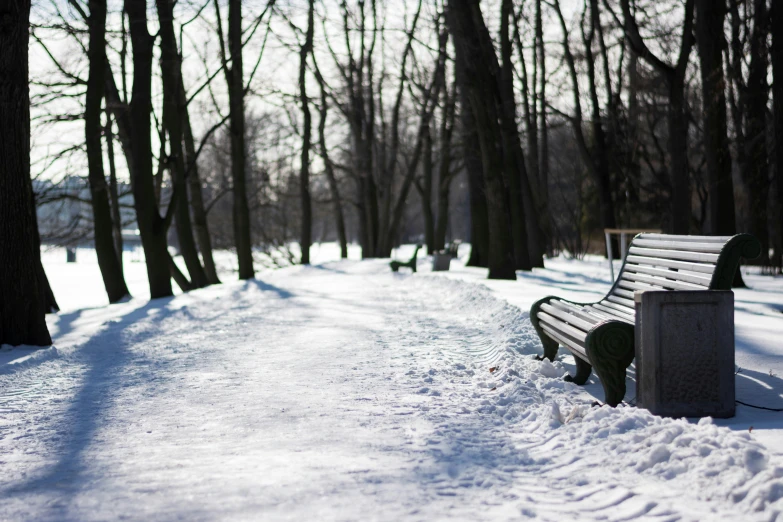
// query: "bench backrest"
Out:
[669,262]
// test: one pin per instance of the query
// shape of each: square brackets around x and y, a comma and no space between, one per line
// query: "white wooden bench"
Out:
[601,335]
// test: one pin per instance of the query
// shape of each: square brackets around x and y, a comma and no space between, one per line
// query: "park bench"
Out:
[600,335]
[411,263]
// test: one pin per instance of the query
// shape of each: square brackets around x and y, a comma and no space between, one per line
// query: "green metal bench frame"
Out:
[411,263]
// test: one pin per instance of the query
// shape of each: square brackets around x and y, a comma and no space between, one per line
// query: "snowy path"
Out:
[342,392]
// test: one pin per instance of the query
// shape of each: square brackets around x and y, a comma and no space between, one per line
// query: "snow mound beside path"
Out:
[563,436]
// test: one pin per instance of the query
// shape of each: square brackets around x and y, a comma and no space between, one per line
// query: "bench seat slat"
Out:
[622,301]
[565,341]
[670,263]
[560,326]
[666,283]
[634,285]
[670,274]
[628,310]
[695,239]
[623,293]
[613,313]
[569,318]
[673,254]
[579,311]
[712,248]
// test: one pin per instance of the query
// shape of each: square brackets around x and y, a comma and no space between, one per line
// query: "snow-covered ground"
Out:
[342,391]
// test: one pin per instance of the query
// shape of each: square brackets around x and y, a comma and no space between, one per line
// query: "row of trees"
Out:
[550,119]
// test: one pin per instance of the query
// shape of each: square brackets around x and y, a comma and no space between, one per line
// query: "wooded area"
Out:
[523,127]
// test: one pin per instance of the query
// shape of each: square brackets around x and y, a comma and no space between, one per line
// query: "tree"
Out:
[306,238]
[710,17]
[522,187]
[234,75]
[173,110]
[109,259]
[334,189]
[776,28]
[152,227]
[474,54]
[23,297]
[445,173]
[595,152]
[677,120]
[755,170]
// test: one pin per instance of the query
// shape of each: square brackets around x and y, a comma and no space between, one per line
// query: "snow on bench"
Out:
[601,335]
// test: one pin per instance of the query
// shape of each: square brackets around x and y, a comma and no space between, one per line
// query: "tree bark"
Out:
[425,191]
[471,156]
[756,166]
[152,226]
[306,238]
[171,72]
[200,223]
[476,78]
[543,142]
[236,95]
[445,176]
[516,175]
[334,188]
[710,17]
[109,261]
[776,28]
[114,197]
[22,295]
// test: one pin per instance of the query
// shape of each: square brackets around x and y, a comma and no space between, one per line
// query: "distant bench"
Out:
[411,263]
[601,335]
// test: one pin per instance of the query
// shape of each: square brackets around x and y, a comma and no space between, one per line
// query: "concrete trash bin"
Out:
[685,352]
[441,261]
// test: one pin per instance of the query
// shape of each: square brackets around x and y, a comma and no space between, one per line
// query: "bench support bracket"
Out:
[550,345]
[610,347]
[583,371]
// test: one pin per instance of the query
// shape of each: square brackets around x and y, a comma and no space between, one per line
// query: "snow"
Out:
[342,391]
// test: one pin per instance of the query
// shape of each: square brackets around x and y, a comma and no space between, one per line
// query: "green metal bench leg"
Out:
[550,345]
[610,350]
[583,371]
[550,348]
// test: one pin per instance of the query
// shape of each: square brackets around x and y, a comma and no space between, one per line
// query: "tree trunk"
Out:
[777,100]
[476,78]
[193,177]
[678,151]
[516,175]
[306,238]
[334,189]
[445,175]
[543,153]
[471,154]
[756,171]
[425,191]
[171,72]
[236,95]
[600,153]
[116,214]
[22,296]
[710,17]
[152,226]
[109,262]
